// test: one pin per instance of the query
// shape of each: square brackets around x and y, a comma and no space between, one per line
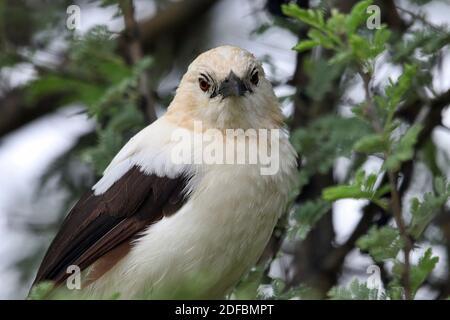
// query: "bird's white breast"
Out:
[212,240]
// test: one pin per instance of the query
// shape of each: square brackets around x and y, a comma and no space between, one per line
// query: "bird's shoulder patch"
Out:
[98,224]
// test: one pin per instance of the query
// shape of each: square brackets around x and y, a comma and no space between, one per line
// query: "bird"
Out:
[154,226]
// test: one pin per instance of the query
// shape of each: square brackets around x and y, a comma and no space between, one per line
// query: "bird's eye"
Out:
[255,78]
[204,85]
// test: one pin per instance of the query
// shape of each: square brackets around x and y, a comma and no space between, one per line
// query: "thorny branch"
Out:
[174,21]
[395,197]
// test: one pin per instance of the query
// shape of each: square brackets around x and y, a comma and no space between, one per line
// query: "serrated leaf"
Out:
[371,144]
[341,57]
[322,78]
[306,45]
[310,17]
[321,38]
[337,22]
[421,271]
[307,215]
[396,91]
[380,39]
[325,139]
[418,272]
[424,211]
[361,47]
[381,243]
[404,149]
[355,291]
[439,185]
[428,154]
[357,16]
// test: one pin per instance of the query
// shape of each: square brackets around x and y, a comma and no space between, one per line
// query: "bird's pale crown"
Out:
[225,88]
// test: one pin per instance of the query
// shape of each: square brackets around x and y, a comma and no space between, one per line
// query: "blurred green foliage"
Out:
[358,49]
[102,81]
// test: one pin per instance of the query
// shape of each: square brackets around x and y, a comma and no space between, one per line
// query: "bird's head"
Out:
[226,88]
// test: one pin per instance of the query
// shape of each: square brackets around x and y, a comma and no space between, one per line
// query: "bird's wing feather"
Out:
[99,223]
[139,187]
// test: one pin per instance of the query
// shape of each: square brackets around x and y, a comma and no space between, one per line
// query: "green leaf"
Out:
[247,288]
[342,57]
[357,16]
[343,192]
[318,37]
[424,211]
[325,139]
[439,185]
[383,243]
[336,23]
[371,144]
[306,216]
[404,149]
[395,291]
[100,156]
[421,271]
[310,17]
[142,65]
[282,292]
[306,45]
[428,154]
[322,77]
[362,188]
[396,91]
[418,273]
[355,291]
[41,290]
[379,41]
[361,47]
[114,296]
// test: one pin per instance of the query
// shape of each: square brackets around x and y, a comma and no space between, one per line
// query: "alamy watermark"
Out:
[73,20]
[73,281]
[374,20]
[374,280]
[234,146]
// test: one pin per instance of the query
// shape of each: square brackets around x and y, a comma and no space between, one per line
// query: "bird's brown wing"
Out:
[98,224]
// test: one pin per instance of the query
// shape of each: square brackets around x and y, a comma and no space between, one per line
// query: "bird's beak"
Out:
[232,86]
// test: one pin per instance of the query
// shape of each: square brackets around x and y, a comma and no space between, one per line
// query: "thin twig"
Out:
[398,217]
[395,197]
[421,18]
[135,54]
[370,110]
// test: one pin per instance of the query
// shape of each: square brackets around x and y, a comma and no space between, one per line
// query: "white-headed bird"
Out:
[155,226]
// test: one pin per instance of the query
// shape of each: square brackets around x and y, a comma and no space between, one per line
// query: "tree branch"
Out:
[395,197]
[131,35]
[174,20]
[16,112]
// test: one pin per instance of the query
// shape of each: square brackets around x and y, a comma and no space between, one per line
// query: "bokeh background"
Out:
[51,147]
